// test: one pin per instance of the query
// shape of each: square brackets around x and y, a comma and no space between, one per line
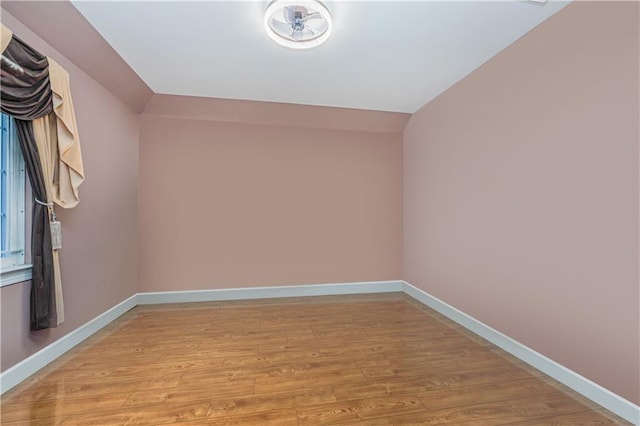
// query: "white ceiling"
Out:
[382,55]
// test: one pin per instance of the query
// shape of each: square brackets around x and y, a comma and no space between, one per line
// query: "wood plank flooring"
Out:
[361,359]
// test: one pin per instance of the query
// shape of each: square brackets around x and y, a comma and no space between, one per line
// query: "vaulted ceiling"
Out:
[382,55]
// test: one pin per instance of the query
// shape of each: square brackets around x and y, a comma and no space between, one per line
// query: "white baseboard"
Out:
[28,366]
[607,399]
[269,292]
[593,391]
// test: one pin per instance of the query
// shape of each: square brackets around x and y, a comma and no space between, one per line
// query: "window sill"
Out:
[15,274]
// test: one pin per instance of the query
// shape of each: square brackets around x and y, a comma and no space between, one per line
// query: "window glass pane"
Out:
[12,186]
[4,188]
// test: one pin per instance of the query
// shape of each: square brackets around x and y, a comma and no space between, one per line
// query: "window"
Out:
[12,207]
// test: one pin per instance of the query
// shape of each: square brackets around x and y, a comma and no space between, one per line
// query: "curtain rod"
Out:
[11,66]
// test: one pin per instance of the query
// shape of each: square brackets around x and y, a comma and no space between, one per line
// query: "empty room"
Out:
[310,212]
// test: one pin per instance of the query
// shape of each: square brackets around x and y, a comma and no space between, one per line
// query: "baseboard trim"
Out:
[34,363]
[600,395]
[28,366]
[593,391]
[269,292]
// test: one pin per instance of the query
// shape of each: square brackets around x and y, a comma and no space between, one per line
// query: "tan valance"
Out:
[70,173]
[5,38]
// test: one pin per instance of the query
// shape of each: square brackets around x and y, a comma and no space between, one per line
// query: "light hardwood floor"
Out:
[362,359]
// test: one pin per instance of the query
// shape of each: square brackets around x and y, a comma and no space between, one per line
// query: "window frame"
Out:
[13,268]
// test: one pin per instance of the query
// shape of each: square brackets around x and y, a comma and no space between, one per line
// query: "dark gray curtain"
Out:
[27,96]
[43,302]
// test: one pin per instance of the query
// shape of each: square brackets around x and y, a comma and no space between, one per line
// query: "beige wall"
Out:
[521,193]
[99,257]
[232,204]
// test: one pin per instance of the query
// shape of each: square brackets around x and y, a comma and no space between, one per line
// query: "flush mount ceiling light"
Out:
[298,24]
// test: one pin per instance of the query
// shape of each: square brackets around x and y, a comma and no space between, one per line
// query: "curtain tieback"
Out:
[56,228]
[50,206]
[42,203]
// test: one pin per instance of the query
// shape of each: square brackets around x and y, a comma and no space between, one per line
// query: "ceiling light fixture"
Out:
[298,24]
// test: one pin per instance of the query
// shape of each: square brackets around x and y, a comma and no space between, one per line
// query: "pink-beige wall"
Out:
[99,256]
[226,204]
[520,197]
[521,193]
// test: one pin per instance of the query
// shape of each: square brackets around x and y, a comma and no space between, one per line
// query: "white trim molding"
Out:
[31,365]
[593,391]
[15,275]
[603,397]
[28,366]
[246,293]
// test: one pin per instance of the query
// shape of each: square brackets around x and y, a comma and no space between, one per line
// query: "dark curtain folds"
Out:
[43,302]
[27,96]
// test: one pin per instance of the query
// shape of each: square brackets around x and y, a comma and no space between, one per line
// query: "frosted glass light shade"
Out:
[317,25]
